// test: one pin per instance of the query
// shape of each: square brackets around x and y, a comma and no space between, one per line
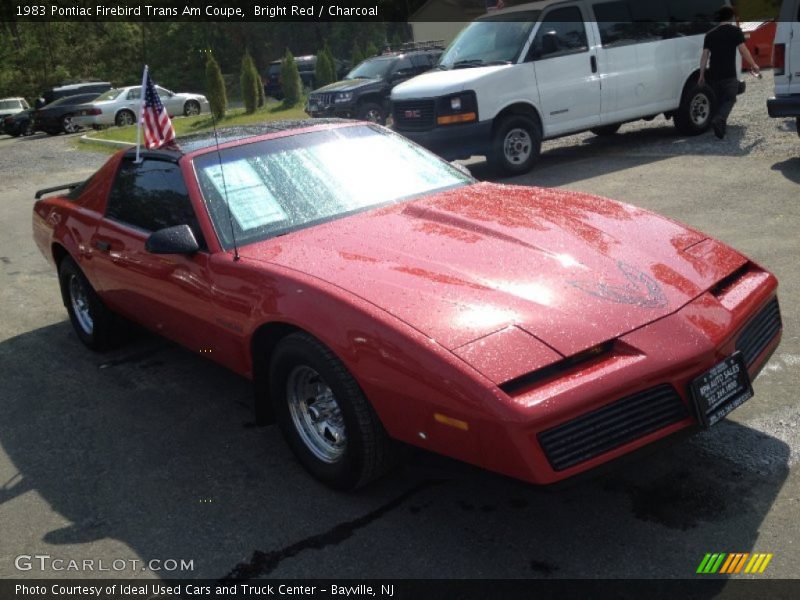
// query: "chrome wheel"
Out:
[373,115]
[125,118]
[316,414]
[79,299]
[68,125]
[517,146]
[700,109]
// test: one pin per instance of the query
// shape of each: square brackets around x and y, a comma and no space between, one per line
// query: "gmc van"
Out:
[552,68]
[786,64]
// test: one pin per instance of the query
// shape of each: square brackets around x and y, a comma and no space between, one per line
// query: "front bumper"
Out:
[453,142]
[344,110]
[784,106]
[635,394]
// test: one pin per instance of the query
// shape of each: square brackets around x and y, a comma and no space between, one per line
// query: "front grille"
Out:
[612,426]
[759,332]
[413,115]
[322,99]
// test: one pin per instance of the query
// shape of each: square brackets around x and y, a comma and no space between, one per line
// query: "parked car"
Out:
[19,124]
[374,292]
[59,115]
[786,64]
[547,69]
[120,106]
[306,66]
[72,89]
[11,106]
[364,92]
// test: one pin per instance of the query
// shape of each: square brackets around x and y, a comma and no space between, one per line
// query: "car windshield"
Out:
[374,68]
[109,95]
[277,186]
[9,104]
[490,41]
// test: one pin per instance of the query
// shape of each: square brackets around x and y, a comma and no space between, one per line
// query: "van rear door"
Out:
[566,71]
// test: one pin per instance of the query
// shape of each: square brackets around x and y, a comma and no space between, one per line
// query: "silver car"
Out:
[120,106]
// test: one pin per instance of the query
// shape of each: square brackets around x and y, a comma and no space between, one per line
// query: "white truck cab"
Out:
[541,70]
[786,64]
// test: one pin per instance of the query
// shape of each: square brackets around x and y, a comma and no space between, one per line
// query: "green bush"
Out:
[290,80]
[215,88]
[250,83]
[324,71]
[357,55]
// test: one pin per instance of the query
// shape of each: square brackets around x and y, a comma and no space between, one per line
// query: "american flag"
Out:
[156,125]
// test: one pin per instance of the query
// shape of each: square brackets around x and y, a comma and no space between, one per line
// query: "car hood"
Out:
[573,270]
[441,83]
[346,85]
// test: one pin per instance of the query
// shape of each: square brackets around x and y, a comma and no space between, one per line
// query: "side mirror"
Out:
[172,240]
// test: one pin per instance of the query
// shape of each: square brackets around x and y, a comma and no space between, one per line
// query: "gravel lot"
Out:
[149,452]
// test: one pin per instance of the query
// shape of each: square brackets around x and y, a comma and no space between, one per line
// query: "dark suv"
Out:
[364,92]
[306,66]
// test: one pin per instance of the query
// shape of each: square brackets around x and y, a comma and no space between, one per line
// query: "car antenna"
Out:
[225,188]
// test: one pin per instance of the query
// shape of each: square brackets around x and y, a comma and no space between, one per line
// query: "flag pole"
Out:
[141,115]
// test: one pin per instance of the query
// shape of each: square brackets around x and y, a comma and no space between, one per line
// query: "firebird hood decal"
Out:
[570,269]
[640,290]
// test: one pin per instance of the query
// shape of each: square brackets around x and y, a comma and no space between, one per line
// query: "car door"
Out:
[171,101]
[168,293]
[566,71]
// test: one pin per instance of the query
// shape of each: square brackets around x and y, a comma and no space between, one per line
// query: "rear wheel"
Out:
[606,130]
[516,145]
[693,116]
[324,416]
[191,108]
[96,325]
[124,118]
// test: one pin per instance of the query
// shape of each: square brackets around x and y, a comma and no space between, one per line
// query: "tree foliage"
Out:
[215,88]
[356,56]
[325,69]
[250,82]
[290,80]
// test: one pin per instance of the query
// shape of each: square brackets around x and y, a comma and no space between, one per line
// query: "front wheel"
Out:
[373,112]
[95,324]
[693,116]
[516,145]
[324,416]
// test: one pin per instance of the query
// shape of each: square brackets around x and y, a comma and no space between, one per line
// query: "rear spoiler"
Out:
[58,188]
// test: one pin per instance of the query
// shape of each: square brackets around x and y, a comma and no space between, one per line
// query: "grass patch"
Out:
[189,125]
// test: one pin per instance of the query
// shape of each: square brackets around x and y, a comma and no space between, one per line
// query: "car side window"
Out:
[422,61]
[562,32]
[134,94]
[152,195]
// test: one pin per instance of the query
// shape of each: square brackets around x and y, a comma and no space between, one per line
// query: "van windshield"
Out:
[493,40]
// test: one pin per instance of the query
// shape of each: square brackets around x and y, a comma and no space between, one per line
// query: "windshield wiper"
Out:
[478,62]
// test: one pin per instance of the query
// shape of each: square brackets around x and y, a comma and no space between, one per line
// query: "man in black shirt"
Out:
[721,44]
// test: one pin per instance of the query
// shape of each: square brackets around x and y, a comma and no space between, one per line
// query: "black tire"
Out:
[797,124]
[694,115]
[124,118]
[15,133]
[371,111]
[67,126]
[606,130]
[191,108]
[360,449]
[516,145]
[28,129]
[103,331]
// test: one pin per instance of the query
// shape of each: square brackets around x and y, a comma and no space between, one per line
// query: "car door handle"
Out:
[102,246]
[593,62]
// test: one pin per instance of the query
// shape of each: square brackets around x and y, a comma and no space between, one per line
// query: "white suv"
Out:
[556,67]
[786,63]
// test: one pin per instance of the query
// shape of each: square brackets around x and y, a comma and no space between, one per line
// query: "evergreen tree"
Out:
[215,88]
[370,51]
[250,83]
[357,55]
[290,80]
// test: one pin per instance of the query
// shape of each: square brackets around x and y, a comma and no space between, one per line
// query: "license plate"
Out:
[721,389]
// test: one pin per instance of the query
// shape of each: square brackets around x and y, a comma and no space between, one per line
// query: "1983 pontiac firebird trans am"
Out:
[375,293]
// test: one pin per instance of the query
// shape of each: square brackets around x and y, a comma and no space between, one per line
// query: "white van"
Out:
[556,67]
[786,64]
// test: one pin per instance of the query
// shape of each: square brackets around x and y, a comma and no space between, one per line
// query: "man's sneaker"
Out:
[719,128]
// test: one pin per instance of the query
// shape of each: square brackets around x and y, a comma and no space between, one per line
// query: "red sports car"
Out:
[375,293]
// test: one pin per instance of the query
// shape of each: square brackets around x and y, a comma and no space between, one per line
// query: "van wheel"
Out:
[516,145]
[606,130]
[693,116]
